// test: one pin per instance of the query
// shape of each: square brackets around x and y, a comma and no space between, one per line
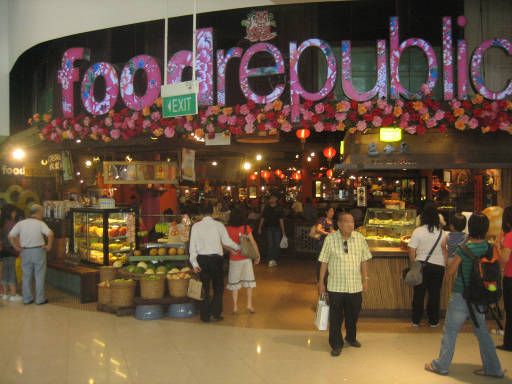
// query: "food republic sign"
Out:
[69,74]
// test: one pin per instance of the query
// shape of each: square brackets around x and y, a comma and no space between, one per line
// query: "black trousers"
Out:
[211,272]
[432,283]
[343,305]
[507,300]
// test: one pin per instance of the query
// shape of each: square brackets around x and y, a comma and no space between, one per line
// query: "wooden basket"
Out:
[104,293]
[152,289]
[108,273]
[178,288]
[122,293]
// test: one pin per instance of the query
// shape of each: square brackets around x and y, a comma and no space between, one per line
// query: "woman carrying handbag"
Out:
[241,272]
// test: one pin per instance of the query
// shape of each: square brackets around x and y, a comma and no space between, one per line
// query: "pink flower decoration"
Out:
[269,107]
[115,134]
[188,126]
[423,110]
[367,104]
[473,123]
[210,128]
[209,111]
[155,116]
[87,121]
[250,119]
[135,115]
[169,132]
[411,129]
[431,123]
[65,124]
[146,124]
[286,110]
[222,119]
[377,121]
[130,124]
[340,116]
[307,115]
[455,104]
[319,127]
[249,128]
[108,121]
[319,108]
[388,109]
[382,103]
[361,125]
[399,103]
[464,119]
[439,115]
[77,128]
[426,89]
[286,127]
[244,109]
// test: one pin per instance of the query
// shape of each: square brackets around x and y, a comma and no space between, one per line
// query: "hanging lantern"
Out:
[329,153]
[252,177]
[282,176]
[302,134]
[265,175]
[329,173]
[296,176]
[278,172]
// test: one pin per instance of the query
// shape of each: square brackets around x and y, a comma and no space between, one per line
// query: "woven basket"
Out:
[104,293]
[178,288]
[108,273]
[152,289]
[122,293]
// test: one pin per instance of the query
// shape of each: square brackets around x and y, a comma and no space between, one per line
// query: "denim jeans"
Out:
[273,242]
[456,315]
[33,265]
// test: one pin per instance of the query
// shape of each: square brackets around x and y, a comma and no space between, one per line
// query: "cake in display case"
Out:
[389,227]
[104,236]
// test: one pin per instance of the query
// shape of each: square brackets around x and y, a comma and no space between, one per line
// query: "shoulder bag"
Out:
[413,276]
[246,247]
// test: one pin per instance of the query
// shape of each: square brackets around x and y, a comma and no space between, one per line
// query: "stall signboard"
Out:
[188,164]
[361,196]
[179,99]
[456,84]
[67,166]
[55,162]
[28,170]
[140,172]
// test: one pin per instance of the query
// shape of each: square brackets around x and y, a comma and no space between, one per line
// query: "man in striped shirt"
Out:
[344,254]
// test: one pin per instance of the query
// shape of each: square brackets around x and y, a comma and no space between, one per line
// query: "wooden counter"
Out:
[387,293]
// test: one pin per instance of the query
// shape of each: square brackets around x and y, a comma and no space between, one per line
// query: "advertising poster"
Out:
[188,169]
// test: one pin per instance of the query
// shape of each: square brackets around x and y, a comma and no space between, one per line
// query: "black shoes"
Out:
[42,303]
[355,343]
[504,348]
[215,319]
[336,352]
[29,302]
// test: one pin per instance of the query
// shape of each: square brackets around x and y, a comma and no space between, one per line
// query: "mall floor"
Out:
[65,342]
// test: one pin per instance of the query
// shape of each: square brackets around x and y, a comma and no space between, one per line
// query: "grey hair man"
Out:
[28,238]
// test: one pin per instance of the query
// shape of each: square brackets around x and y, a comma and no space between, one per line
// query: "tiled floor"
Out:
[63,342]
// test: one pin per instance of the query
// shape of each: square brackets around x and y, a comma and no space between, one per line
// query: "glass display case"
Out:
[104,236]
[388,227]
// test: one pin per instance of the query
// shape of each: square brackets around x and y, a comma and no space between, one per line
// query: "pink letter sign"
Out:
[68,75]
[149,65]
[222,62]
[245,72]
[396,51]
[108,72]
[204,65]
[296,90]
[379,89]
[476,69]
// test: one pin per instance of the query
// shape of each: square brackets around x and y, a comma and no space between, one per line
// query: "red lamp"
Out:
[278,172]
[252,177]
[265,175]
[329,153]
[296,176]
[303,134]
[329,173]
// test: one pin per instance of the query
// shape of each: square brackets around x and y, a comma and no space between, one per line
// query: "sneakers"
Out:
[434,325]
[16,298]
[5,297]
[415,325]
[272,263]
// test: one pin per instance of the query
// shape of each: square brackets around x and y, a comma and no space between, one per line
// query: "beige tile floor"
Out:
[64,342]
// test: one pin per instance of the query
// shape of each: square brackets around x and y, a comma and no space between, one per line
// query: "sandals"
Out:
[430,368]
[481,372]
[251,311]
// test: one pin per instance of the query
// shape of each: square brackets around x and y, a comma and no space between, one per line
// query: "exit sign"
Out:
[179,99]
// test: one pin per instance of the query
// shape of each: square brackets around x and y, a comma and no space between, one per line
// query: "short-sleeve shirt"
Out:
[31,232]
[466,265]
[507,243]
[423,241]
[271,216]
[344,268]
[234,233]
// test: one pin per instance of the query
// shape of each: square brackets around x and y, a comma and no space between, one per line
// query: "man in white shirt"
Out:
[27,237]
[206,239]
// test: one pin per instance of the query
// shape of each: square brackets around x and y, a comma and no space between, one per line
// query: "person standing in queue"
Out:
[272,220]
[504,245]
[206,240]
[345,255]
[27,238]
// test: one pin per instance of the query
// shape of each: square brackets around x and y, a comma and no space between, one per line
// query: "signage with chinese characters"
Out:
[55,162]
[140,172]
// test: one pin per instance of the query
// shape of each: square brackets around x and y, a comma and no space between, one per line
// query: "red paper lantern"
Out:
[282,176]
[278,172]
[302,134]
[265,175]
[329,153]
[296,176]
[329,173]
[252,177]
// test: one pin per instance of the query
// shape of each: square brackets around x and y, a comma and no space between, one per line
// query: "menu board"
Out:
[140,172]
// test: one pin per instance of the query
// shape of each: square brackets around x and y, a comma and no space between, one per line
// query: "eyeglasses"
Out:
[345,246]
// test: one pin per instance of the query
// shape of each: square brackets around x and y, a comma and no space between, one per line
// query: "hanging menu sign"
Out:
[140,172]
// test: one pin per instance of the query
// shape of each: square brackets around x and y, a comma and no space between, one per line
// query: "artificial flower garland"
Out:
[414,117]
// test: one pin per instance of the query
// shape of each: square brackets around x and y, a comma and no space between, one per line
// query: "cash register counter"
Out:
[388,295]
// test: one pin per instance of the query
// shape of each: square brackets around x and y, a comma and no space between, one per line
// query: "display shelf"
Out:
[158,258]
[164,245]
[118,238]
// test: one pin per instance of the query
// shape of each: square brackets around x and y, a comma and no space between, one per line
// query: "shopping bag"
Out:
[246,247]
[195,289]
[322,314]
[284,242]
[19,272]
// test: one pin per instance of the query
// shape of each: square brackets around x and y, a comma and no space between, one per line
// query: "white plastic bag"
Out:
[284,242]
[322,314]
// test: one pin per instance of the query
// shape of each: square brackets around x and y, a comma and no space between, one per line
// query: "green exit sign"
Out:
[179,99]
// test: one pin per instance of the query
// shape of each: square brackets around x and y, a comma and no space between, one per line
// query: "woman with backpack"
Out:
[459,311]
[504,245]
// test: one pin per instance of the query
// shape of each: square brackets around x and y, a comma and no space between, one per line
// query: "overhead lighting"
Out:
[259,157]
[81,181]
[128,158]
[214,163]
[228,188]
[313,154]
[168,159]
[154,138]
[78,141]
[78,173]
[390,134]
[18,154]
[297,156]
[44,162]
[309,158]
[88,163]
[96,158]
[247,166]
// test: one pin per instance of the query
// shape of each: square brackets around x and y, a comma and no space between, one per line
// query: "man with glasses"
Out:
[345,255]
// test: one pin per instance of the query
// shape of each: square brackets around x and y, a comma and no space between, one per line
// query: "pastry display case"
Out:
[104,236]
[388,227]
